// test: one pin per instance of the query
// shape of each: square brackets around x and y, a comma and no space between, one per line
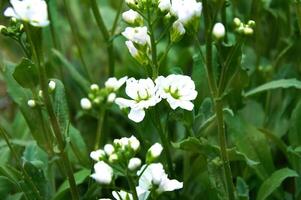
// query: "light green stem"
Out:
[99,136]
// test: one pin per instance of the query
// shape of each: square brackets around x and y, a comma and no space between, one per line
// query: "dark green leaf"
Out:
[26,74]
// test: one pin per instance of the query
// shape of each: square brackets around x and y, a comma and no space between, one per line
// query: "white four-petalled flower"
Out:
[137,35]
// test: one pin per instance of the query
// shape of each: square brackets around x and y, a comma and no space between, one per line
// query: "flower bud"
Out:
[41,93]
[237,22]
[113,158]
[109,149]
[103,173]
[97,155]
[177,31]
[94,87]
[219,31]
[134,143]
[85,104]
[134,164]
[156,150]
[2,28]
[135,53]
[133,4]
[111,98]
[248,31]
[132,17]
[31,103]
[164,5]
[251,23]
[51,85]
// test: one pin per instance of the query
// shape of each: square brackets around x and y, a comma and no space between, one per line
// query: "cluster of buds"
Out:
[242,28]
[107,94]
[51,87]
[14,30]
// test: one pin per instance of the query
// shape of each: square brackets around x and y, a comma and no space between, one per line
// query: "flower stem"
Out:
[132,187]
[99,139]
[106,35]
[218,103]
[38,56]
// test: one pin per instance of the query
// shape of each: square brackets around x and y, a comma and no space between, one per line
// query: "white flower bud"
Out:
[2,28]
[51,85]
[124,142]
[97,155]
[219,31]
[248,31]
[132,17]
[111,98]
[251,23]
[131,3]
[41,93]
[103,173]
[113,158]
[109,149]
[85,104]
[164,5]
[94,87]
[134,164]
[155,150]
[31,103]
[134,143]
[237,22]
[177,31]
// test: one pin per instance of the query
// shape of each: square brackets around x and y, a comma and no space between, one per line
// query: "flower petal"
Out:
[137,115]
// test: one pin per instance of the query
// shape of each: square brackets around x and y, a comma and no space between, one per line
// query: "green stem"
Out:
[218,103]
[17,158]
[298,12]
[132,186]
[99,138]
[117,17]
[153,45]
[38,55]
[106,35]
[76,36]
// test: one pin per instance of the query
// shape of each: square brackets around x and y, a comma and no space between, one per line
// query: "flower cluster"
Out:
[32,11]
[98,95]
[244,29]
[178,90]
[34,102]
[119,159]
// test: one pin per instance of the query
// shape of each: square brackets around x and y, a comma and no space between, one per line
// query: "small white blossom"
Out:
[32,11]
[85,104]
[109,149]
[94,87]
[134,143]
[154,176]
[132,17]
[137,35]
[178,90]
[177,31]
[122,195]
[97,155]
[219,30]
[144,95]
[114,84]
[134,164]
[155,150]
[164,5]
[111,98]
[51,85]
[103,173]
[31,103]
[186,10]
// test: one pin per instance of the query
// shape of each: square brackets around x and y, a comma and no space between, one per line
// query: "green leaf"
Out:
[79,176]
[26,74]
[283,83]
[242,189]
[274,181]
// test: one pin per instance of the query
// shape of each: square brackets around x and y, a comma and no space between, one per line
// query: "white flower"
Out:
[137,35]
[134,143]
[85,104]
[122,195]
[94,87]
[164,5]
[178,90]
[109,149]
[218,30]
[31,103]
[97,155]
[32,11]
[103,173]
[134,164]
[177,31]
[186,10]
[51,85]
[132,17]
[155,150]
[111,98]
[114,84]
[154,176]
[144,95]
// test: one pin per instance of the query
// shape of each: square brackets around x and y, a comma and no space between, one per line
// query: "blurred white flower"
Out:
[51,85]
[109,149]
[134,143]
[111,98]
[31,103]
[97,155]
[186,10]
[177,31]
[94,87]
[103,173]
[137,35]
[218,30]
[155,177]
[85,104]
[178,90]
[31,11]
[114,84]
[132,17]
[164,5]
[155,150]
[122,195]
[144,95]
[134,164]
